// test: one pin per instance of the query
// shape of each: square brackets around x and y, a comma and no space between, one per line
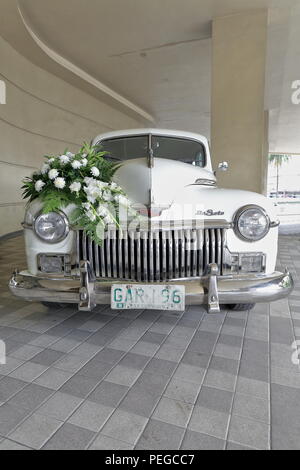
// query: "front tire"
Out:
[241,307]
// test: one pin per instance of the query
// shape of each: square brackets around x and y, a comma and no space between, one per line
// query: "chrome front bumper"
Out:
[211,290]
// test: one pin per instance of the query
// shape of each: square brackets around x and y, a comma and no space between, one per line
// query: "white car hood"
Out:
[159,184]
[171,184]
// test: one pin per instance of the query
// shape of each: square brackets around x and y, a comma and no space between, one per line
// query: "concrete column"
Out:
[265,155]
[238,87]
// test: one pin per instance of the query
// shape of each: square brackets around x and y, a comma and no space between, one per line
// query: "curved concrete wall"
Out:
[42,115]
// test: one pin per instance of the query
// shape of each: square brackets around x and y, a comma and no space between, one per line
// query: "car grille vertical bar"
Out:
[200,252]
[132,257]
[157,256]
[138,256]
[206,257]
[188,253]
[126,255]
[145,255]
[219,249]
[119,243]
[164,236]
[108,256]
[84,250]
[176,255]
[170,248]
[182,253]
[153,256]
[194,253]
[114,253]
[97,263]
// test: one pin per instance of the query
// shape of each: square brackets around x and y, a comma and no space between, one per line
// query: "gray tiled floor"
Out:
[149,380]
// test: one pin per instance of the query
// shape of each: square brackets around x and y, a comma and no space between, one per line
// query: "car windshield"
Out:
[172,148]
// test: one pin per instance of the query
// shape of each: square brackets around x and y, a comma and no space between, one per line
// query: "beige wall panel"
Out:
[47,87]
[43,115]
[11,218]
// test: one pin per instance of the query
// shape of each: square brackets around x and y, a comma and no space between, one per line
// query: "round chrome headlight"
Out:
[52,227]
[252,223]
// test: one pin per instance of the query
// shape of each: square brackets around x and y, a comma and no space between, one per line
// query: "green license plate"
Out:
[150,297]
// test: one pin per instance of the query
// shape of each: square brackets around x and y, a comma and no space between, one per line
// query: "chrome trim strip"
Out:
[205,182]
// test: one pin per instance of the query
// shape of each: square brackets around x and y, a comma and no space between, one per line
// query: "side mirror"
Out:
[224,166]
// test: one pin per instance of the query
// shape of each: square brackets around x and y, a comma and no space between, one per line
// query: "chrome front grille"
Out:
[149,256]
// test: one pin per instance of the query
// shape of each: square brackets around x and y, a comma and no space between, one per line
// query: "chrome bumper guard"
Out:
[212,289]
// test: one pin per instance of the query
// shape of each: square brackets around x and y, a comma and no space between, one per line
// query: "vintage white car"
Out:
[199,244]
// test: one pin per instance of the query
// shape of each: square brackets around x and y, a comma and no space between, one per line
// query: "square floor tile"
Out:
[91,416]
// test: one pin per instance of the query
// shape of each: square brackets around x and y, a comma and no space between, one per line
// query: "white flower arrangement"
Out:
[84,180]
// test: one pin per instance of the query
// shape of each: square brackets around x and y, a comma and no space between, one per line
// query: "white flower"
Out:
[95,172]
[84,162]
[108,219]
[102,185]
[114,186]
[75,187]
[76,164]
[59,183]
[51,160]
[39,185]
[91,215]
[107,196]
[64,159]
[86,205]
[84,155]
[88,180]
[70,155]
[45,168]
[102,211]
[53,174]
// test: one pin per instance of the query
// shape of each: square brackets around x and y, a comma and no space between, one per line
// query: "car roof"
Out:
[153,131]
